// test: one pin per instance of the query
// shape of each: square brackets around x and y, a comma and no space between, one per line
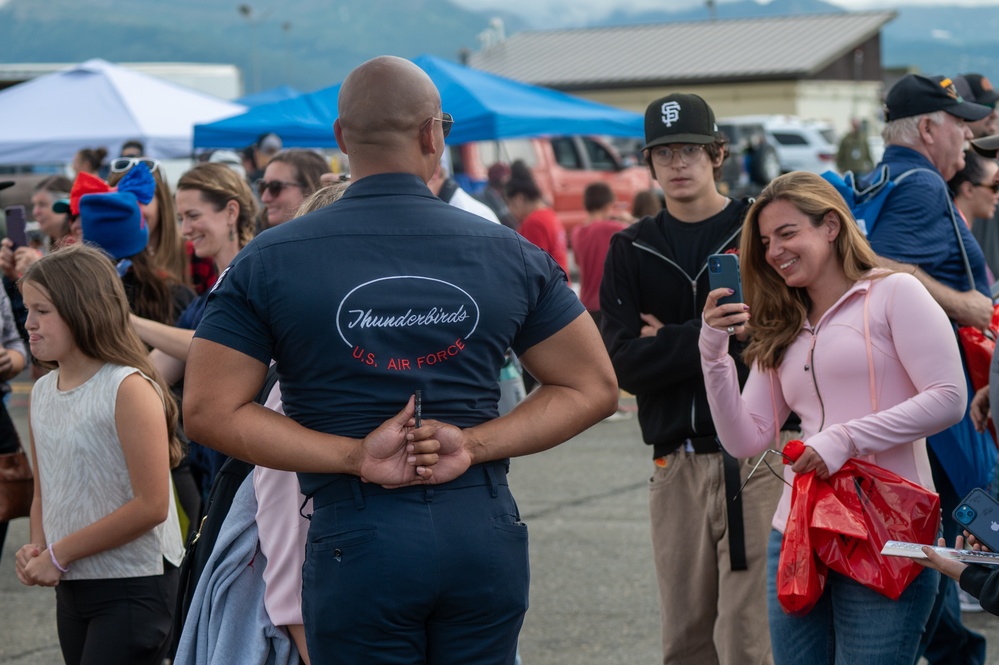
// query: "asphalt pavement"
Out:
[593,589]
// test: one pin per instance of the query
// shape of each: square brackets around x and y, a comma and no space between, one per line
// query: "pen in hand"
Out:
[418,399]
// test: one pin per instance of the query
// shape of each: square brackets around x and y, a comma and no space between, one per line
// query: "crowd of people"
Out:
[384,439]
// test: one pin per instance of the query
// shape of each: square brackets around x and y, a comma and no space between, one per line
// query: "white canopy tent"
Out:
[98,104]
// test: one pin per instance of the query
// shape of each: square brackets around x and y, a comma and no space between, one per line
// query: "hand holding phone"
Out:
[723,273]
[16,221]
[978,513]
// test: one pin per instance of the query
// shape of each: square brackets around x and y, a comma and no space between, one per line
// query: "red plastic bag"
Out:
[978,353]
[850,517]
[801,577]
[978,348]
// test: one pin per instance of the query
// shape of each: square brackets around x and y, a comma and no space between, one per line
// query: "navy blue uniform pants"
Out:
[427,574]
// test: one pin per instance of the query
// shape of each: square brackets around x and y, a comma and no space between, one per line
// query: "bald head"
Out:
[385,101]
[385,125]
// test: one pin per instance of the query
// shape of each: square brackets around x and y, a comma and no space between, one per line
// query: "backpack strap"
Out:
[953,219]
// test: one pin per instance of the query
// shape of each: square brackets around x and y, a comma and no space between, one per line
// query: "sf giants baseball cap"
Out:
[679,118]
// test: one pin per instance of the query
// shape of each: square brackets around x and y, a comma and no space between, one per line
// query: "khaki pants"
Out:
[710,614]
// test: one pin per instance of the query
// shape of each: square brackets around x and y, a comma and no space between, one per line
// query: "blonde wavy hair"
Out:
[778,310]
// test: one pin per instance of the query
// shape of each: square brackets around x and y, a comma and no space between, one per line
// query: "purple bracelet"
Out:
[55,562]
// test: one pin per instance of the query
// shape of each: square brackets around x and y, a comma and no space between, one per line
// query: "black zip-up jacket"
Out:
[663,372]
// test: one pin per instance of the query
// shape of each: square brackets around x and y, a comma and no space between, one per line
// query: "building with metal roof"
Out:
[821,66]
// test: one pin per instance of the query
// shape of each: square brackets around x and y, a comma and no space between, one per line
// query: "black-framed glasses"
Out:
[447,122]
[994,186]
[275,187]
[122,164]
[663,154]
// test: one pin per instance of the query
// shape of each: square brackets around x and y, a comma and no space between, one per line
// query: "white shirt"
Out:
[82,469]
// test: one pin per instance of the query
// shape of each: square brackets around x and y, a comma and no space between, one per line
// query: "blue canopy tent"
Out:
[485,107]
[278,94]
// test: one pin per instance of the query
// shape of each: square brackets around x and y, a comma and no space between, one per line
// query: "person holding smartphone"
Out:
[655,281]
[868,361]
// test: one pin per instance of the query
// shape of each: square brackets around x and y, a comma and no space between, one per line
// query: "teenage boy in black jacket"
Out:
[710,552]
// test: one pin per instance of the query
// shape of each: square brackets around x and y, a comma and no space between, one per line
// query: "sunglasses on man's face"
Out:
[994,186]
[275,187]
[122,164]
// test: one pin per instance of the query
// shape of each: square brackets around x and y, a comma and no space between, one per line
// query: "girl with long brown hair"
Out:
[104,527]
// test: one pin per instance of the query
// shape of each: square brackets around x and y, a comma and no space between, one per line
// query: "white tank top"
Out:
[84,477]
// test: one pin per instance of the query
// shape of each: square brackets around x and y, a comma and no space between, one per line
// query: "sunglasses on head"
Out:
[275,187]
[122,164]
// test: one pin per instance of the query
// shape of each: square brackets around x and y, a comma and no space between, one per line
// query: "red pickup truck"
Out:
[563,166]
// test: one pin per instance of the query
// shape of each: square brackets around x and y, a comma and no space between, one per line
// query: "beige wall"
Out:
[835,102]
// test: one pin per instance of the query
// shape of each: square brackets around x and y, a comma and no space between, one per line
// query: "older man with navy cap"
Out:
[919,232]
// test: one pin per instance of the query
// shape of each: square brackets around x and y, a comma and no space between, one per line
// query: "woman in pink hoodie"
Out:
[870,364]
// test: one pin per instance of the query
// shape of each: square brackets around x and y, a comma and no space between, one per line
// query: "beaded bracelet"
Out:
[55,562]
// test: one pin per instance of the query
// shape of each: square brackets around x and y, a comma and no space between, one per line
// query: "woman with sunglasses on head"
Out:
[124,234]
[165,247]
[290,177]
[217,212]
[869,362]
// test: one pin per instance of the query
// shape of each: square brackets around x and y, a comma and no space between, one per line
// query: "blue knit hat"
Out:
[114,223]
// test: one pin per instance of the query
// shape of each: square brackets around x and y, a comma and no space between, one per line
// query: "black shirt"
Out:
[693,242]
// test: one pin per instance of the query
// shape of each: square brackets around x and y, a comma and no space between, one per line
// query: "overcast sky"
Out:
[544,13]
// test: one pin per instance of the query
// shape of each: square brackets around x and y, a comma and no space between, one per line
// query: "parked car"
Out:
[801,145]
[562,165]
[752,160]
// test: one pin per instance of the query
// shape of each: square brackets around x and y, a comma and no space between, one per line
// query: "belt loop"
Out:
[428,493]
[490,470]
[355,488]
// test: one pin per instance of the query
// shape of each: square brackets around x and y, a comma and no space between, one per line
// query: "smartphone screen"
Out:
[16,219]
[978,513]
[723,272]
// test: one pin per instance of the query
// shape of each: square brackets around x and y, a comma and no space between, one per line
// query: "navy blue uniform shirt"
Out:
[385,291]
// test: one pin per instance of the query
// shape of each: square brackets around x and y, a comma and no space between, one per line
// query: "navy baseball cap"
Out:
[919,95]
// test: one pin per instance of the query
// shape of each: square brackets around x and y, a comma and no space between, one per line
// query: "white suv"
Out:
[802,145]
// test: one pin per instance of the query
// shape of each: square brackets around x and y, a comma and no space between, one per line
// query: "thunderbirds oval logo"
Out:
[406,322]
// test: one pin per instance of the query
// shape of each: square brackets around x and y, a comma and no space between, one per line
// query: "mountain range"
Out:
[311,44]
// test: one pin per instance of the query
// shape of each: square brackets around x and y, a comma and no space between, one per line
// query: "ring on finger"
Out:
[730,330]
